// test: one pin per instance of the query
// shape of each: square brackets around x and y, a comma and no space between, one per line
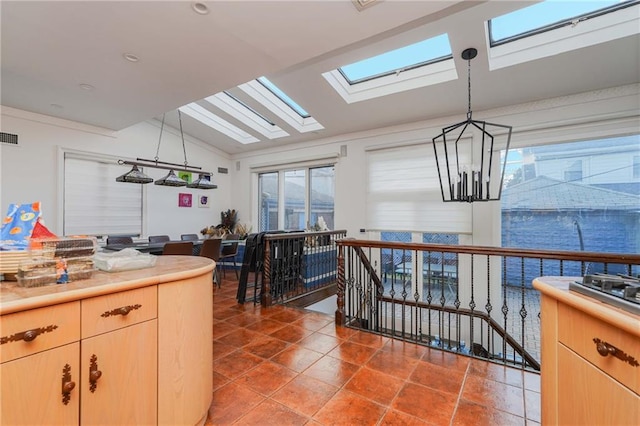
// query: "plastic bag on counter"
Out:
[18,224]
[123,260]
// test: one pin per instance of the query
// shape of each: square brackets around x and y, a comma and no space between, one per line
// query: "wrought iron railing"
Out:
[472,300]
[298,263]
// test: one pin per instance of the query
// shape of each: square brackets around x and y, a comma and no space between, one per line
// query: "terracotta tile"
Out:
[436,377]
[242,320]
[223,328]
[331,370]
[346,408]
[240,337]
[369,339]
[374,385]
[231,402]
[320,342]
[353,352]
[291,333]
[312,323]
[425,403]
[236,363]
[500,396]
[288,315]
[222,349]
[223,314]
[410,350]
[470,413]
[266,378]
[305,394]
[498,373]
[395,365]
[532,406]
[272,413]
[219,380]
[297,358]
[266,347]
[267,326]
[339,331]
[531,381]
[447,359]
[398,418]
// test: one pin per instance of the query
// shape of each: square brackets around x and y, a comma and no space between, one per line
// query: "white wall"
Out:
[602,113]
[32,171]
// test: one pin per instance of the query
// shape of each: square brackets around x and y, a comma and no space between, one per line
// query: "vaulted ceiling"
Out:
[66,59]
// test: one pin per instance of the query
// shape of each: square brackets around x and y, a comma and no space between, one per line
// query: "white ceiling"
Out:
[50,48]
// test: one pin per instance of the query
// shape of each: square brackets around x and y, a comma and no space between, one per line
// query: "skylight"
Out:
[394,61]
[548,15]
[283,96]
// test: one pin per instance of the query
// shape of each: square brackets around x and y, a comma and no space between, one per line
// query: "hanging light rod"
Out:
[163,165]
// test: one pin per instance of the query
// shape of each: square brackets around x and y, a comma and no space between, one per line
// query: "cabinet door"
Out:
[587,396]
[32,388]
[119,376]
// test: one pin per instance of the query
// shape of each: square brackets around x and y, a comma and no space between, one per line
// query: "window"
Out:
[283,97]
[548,15]
[304,193]
[94,203]
[636,167]
[574,172]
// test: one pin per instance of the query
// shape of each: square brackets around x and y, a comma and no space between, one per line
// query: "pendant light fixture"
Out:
[464,155]
[171,179]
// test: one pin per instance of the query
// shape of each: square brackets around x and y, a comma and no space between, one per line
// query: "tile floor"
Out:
[288,366]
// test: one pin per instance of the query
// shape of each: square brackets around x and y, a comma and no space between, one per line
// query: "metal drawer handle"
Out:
[67,384]
[606,349]
[124,310]
[28,335]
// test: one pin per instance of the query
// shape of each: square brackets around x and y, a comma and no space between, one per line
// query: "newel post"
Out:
[340,316]
[265,299]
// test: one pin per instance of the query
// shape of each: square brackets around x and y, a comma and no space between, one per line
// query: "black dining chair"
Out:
[184,248]
[159,238]
[189,237]
[211,249]
[229,251]
[119,240]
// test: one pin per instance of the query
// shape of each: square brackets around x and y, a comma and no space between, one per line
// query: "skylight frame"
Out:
[400,69]
[556,25]
[209,119]
[249,108]
[280,94]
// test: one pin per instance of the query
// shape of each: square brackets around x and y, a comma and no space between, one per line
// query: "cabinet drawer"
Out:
[28,332]
[577,331]
[112,311]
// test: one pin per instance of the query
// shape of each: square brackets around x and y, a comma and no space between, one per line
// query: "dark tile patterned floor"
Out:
[288,366]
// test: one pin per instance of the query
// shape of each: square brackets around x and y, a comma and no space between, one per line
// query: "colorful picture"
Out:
[186,176]
[184,200]
[203,201]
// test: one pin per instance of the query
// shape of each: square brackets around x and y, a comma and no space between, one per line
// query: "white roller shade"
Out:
[94,203]
[403,193]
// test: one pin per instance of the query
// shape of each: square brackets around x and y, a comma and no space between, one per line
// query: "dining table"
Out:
[152,248]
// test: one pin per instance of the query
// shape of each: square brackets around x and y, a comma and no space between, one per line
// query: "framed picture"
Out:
[203,201]
[184,200]
[186,176]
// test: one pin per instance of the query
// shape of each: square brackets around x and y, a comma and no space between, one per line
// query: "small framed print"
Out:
[203,201]
[184,200]
[185,176]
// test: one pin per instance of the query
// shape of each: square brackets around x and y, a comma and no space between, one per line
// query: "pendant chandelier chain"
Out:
[157,157]
[184,150]
[469,87]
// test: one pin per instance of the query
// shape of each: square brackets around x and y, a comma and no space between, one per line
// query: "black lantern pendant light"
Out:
[465,153]
[171,179]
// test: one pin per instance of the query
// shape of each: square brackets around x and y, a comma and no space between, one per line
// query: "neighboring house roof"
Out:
[543,193]
[294,193]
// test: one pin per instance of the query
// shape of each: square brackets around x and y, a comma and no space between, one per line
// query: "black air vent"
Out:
[223,170]
[8,138]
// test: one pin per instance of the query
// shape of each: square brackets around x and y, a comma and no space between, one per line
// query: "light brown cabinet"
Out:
[139,355]
[583,380]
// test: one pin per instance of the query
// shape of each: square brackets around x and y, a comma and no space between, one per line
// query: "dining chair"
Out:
[119,240]
[229,251]
[211,249]
[184,248]
[189,237]
[158,238]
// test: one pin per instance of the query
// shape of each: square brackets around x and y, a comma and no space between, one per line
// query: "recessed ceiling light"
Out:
[131,57]
[200,7]
[86,86]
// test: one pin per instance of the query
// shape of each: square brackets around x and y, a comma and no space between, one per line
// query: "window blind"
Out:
[403,193]
[94,203]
